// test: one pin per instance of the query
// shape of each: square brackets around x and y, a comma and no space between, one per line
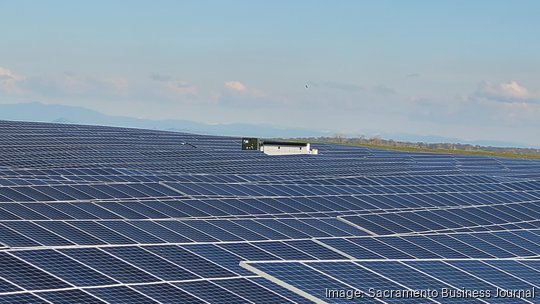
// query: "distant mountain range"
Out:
[36,111]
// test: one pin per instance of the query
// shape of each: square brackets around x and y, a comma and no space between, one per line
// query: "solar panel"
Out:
[94,214]
[405,280]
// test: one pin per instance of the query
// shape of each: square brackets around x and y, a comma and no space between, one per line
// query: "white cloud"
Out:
[7,74]
[119,83]
[9,81]
[235,86]
[510,91]
[66,85]
[71,84]
[171,88]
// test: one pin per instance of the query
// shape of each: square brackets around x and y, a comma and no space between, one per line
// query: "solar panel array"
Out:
[92,214]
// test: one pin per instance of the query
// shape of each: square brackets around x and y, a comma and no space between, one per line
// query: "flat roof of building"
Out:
[284,143]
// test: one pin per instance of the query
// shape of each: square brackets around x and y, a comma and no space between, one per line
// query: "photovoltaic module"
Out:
[93,214]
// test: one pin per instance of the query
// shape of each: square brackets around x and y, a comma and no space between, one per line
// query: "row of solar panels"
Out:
[109,265]
[144,270]
[236,162]
[479,245]
[101,232]
[118,178]
[283,168]
[85,192]
[500,244]
[518,207]
[142,190]
[49,173]
[186,262]
[242,290]
[445,219]
[279,206]
[411,180]
[159,209]
[527,225]
[453,281]
[45,177]
[56,160]
[226,186]
[276,189]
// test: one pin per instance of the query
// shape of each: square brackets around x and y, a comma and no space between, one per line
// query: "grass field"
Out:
[480,151]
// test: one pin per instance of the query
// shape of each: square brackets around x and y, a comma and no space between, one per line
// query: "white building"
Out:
[286,148]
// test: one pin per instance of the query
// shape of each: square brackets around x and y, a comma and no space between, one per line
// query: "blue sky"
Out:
[462,69]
